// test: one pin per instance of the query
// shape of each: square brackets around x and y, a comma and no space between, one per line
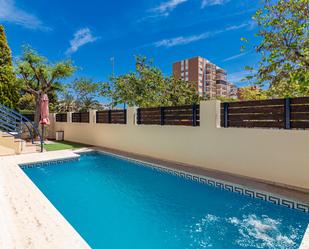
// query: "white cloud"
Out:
[181,40]
[9,12]
[81,37]
[206,3]
[236,56]
[165,8]
[237,77]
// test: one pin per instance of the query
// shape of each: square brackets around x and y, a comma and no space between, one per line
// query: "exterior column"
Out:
[210,113]
[69,117]
[92,116]
[131,115]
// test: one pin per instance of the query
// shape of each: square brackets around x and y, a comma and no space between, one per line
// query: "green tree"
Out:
[251,93]
[38,76]
[67,103]
[179,92]
[148,87]
[9,95]
[87,92]
[27,102]
[284,48]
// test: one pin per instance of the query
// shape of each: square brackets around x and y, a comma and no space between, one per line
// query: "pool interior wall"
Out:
[115,203]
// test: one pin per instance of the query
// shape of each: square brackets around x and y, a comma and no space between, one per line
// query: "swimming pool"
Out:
[117,204]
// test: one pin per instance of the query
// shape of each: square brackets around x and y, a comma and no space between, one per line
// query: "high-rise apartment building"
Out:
[210,79]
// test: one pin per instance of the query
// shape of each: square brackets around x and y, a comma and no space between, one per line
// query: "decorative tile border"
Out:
[48,163]
[227,186]
[235,188]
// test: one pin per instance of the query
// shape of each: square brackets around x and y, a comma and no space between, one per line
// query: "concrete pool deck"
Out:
[28,219]
[31,221]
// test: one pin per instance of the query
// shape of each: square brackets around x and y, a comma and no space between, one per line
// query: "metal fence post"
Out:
[226,114]
[194,119]
[287,113]
[125,116]
[109,116]
[138,118]
[162,115]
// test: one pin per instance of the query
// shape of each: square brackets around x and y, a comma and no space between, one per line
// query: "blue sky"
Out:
[91,32]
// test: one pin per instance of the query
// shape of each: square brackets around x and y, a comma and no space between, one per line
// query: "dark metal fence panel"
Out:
[102,117]
[188,115]
[151,115]
[112,116]
[80,117]
[299,113]
[286,113]
[61,117]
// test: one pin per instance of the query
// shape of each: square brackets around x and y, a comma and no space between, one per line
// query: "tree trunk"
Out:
[37,113]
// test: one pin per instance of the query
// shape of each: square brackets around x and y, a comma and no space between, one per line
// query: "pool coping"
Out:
[56,156]
[305,241]
[31,220]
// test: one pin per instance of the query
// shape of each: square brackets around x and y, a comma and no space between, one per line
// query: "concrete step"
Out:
[7,140]
[18,145]
[31,148]
[5,151]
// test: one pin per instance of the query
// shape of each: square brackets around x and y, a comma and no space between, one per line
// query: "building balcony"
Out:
[221,82]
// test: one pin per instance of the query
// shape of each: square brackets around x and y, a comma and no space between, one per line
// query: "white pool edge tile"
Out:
[305,242]
[32,222]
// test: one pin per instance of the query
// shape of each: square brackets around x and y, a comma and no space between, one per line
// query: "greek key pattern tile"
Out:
[238,189]
[225,186]
[48,163]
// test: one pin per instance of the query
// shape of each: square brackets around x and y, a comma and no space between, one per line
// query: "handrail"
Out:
[26,123]
[13,119]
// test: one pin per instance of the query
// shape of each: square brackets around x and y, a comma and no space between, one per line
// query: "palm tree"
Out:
[67,103]
[88,103]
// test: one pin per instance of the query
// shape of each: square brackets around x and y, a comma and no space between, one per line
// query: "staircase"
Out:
[17,133]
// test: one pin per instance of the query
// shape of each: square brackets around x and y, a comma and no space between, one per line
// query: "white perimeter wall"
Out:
[279,156]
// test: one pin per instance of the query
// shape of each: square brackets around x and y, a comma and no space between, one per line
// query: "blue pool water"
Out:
[118,204]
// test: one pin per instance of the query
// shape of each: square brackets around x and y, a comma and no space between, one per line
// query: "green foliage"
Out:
[27,102]
[179,92]
[148,87]
[8,85]
[224,99]
[284,32]
[86,91]
[252,93]
[67,103]
[37,76]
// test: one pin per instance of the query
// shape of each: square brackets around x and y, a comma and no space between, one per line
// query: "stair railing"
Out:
[12,122]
